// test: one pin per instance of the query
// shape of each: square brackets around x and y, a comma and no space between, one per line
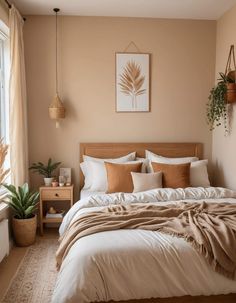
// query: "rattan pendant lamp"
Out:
[57,110]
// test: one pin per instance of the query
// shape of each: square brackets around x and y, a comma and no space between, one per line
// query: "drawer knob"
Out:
[56,195]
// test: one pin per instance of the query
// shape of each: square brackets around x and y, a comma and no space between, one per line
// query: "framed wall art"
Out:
[132,82]
[66,173]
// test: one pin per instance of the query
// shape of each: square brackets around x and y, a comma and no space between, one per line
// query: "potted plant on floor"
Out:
[45,170]
[24,204]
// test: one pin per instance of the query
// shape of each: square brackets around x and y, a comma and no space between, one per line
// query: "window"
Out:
[4,88]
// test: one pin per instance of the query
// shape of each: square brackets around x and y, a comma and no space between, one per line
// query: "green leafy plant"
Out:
[22,200]
[216,106]
[45,170]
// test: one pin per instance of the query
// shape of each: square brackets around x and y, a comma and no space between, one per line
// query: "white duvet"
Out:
[137,264]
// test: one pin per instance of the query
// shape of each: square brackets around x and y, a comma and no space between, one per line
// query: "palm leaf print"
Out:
[131,81]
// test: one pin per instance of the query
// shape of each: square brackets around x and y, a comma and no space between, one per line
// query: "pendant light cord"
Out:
[56,10]
[56,59]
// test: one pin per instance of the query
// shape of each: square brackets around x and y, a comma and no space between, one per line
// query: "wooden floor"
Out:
[9,266]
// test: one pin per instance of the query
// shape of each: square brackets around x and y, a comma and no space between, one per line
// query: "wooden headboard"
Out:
[114,150]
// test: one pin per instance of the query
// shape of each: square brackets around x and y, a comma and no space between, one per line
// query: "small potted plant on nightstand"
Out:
[45,170]
[24,204]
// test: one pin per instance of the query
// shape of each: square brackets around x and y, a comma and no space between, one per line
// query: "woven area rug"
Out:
[35,278]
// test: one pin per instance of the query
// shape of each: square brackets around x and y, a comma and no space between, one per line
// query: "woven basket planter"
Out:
[24,231]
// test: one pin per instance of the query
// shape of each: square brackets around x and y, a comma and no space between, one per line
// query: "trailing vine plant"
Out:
[217,106]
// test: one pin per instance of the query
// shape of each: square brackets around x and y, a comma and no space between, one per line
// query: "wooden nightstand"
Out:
[55,194]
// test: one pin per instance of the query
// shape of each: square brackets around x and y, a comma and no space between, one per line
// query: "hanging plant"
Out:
[216,106]
[221,94]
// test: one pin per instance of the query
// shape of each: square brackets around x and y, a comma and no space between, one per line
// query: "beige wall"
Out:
[4,12]
[182,72]
[224,148]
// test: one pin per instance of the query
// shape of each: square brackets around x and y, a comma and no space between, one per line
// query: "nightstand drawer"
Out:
[63,194]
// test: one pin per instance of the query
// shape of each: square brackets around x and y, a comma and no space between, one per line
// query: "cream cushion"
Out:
[143,182]
[199,174]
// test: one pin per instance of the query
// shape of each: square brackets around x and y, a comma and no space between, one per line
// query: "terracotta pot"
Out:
[231,74]
[24,230]
[231,93]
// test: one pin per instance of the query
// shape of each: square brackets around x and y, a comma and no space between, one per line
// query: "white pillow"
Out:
[198,174]
[156,158]
[129,157]
[88,178]
[145,164]
[143,182]
[99,174]
[87,175]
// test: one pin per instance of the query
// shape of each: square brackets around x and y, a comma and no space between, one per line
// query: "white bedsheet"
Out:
[85,193]
[137,264]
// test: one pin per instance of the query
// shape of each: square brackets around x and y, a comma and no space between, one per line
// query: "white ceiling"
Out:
[184,9]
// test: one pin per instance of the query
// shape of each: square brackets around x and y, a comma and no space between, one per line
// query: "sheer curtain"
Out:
[18,103]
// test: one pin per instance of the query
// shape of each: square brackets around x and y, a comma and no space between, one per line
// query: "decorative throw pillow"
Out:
[174,175]
[144,182]
[199,174]
[99,174]
[119,176]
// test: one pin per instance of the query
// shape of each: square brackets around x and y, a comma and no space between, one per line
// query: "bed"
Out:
[139,265]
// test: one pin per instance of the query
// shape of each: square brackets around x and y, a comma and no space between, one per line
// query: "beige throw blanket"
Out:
[209,227]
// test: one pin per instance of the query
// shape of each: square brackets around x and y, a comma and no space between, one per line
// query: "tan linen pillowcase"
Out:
[119,176]
[174,175]
[143,182]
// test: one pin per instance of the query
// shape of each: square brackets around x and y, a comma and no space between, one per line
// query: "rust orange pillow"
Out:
[119,177]
[173,175]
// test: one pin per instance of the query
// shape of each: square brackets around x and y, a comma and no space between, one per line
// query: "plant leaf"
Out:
[131,80]
[22,201]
